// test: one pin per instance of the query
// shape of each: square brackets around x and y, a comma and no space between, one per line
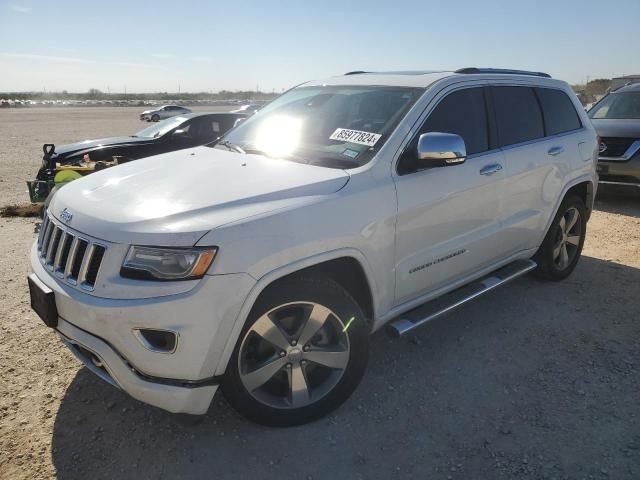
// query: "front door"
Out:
[448,223]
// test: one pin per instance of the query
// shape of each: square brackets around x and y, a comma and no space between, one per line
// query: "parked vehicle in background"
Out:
[616,118]
[250,108]
[617,82]
[160,113]
[347,204]
[70,162]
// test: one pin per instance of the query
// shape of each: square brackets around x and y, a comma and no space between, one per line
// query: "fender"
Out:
[281,272]
[590,193]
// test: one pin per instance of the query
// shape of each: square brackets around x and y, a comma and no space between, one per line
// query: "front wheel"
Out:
[560,251]
[155,118]
[301,354]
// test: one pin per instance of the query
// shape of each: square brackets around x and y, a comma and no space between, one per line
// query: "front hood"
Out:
[63,151]
[617,128]
[175,198]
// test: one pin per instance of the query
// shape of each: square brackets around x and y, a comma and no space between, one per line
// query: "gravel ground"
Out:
[23,131]
[535,380]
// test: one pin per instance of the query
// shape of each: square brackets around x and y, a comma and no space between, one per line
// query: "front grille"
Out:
[68,255]
[616,146]
[94,264]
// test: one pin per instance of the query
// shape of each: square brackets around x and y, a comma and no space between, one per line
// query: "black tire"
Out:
[295,294]
[550,266]
[155,118]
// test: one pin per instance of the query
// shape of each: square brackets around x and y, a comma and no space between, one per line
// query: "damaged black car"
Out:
[61,164]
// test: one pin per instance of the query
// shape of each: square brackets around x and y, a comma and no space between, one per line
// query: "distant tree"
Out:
[597,87]
[593,90]
[94,93]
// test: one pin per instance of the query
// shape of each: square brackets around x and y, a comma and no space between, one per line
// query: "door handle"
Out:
[553,151]
[490,169]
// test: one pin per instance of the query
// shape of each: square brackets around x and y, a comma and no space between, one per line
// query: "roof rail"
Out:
[356,72]
[504,71]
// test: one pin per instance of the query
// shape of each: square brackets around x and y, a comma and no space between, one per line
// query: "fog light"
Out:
[160,341]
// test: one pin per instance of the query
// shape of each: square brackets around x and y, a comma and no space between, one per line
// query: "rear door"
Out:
[448,223]
[534,127]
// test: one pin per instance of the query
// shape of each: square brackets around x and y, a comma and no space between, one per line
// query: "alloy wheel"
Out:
[567,241]
[293,355]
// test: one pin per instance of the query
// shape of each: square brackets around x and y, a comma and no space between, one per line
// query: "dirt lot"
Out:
[23,132]
[535,380]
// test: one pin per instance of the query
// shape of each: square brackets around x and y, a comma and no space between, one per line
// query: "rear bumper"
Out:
[109,365]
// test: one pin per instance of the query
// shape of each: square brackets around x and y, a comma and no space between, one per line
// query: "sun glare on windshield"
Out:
[279,135]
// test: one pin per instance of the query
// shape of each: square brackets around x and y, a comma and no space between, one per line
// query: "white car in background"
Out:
[165,111]
[249,108]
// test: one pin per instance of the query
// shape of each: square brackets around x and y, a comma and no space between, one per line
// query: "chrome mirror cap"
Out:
[441,148]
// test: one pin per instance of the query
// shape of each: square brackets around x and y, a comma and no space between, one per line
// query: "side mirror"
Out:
[437,149]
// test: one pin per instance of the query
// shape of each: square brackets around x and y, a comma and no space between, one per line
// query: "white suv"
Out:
[262,263]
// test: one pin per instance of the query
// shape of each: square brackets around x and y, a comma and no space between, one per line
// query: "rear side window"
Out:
[464,113]
[517,114]
[559,113]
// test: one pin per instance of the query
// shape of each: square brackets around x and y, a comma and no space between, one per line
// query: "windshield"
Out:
[617,106]
[160,128]
[331,126]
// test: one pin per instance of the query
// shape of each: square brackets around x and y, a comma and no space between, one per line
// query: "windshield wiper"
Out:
[231,146]
[290,157]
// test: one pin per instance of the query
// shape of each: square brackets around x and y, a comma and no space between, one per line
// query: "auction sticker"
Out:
[355,136]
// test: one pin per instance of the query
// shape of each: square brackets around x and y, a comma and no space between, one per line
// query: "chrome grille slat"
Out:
[69,256]
[82,274]
[45,240]
[53,244]
[78,259]
[58,254]
[43,228]
[70,259]
[60,261]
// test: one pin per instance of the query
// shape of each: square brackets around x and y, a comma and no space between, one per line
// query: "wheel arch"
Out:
[348,267]
[583,187]
[585,191]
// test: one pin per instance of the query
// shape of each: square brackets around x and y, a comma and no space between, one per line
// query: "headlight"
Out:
[149,263]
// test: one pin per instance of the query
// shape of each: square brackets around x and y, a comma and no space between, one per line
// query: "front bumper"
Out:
[202,318]
[620,172]
[105,362]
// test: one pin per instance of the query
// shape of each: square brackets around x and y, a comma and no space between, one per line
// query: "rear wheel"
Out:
[302,353]
[560,251]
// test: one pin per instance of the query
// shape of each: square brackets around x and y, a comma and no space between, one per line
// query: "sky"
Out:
[189,46]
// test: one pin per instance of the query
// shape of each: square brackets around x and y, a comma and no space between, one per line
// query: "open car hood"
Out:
[64,151]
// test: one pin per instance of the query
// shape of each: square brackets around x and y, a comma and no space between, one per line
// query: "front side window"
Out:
[560,115]
[623,105]
[464,113]
[517,114]
[160,128]
[330,126]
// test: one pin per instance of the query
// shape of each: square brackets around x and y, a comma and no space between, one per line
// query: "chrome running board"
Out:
[623,184]
[452,300]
